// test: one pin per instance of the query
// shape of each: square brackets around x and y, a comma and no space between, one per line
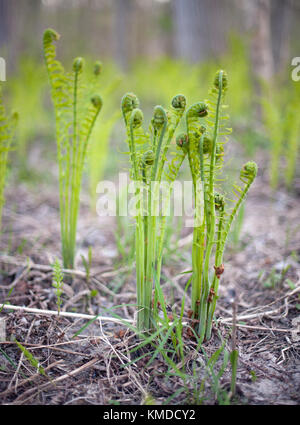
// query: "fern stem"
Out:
[211,235]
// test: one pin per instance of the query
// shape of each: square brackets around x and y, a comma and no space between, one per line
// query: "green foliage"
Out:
[7,130]
[149,164]
[234,355]
[214,376]
[157,81]
[282,124]
[206,121]
[240,96]
[275,278]
[13,364]
[76,110]
[32,360]
[58,283]
[87,264]
[26,89]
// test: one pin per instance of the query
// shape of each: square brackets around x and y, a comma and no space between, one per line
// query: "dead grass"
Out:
[98,366]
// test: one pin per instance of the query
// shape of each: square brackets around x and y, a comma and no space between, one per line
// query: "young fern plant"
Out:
[7,131]
[58,283]
[76,110]
[149,165]
[206,132]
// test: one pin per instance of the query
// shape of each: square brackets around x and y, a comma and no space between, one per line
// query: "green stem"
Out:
[139,236]
[152,229]
[219,254]
[71,234]
[211,234]
[215,284]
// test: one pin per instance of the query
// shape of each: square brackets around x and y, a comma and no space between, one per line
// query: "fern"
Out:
[7,131]
[76,111]
[149,164]
[207,132]
[57,282]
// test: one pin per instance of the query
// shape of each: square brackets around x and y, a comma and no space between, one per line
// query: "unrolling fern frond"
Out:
[76,110]
[207,132]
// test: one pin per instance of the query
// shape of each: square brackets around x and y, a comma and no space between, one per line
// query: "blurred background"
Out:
[127,30]
[158,48]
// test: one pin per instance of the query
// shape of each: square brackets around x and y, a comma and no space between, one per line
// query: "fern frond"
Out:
[76,111]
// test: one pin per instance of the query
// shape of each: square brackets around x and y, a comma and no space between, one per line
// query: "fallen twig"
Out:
[67,314]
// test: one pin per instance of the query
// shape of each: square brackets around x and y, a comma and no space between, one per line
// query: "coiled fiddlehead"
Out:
[195,129]
[128,104]
[174,115]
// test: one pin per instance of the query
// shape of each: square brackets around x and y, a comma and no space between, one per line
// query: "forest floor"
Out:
[98,366]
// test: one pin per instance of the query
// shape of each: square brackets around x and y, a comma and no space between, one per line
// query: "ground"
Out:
[99,365]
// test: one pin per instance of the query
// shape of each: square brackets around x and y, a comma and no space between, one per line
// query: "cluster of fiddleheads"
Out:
[203,144]
[149,164]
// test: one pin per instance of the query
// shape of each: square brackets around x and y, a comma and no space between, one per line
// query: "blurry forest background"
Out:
[157,48]
[124,30]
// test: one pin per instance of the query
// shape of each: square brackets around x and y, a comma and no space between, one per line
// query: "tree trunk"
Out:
[262,57]
[123,10]
[281,30]
[190,26]
[5,22]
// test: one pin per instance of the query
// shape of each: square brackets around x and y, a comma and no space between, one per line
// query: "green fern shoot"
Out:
[76,110]
[149,166]
[57,282]
[207,133]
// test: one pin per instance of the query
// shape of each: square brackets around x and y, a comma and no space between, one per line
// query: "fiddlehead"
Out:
[182,141]
[136,136]
[195,129]
[174,115]
[160,121]
[98,68]
[128,104]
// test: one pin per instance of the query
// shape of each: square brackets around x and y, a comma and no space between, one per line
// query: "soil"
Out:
[98,366]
